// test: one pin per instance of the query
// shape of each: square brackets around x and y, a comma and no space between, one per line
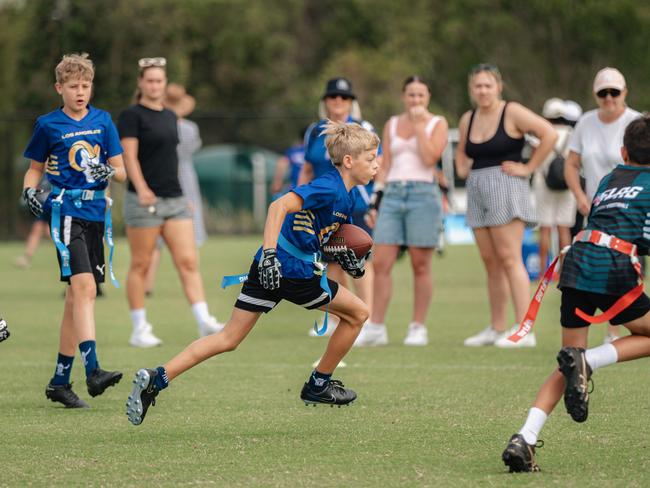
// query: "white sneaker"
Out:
[417,335]
[486,337]
[210,326]
[22,262]
[342,364]
[143,336]
[332,324]
[528,340]
[372,335]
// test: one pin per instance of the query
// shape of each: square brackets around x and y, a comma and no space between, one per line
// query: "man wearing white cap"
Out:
[597,140]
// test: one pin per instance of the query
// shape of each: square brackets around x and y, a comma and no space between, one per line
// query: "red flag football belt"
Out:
[599,239]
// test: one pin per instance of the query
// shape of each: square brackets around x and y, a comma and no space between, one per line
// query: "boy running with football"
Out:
[287,267]
[600,270]
[78,148]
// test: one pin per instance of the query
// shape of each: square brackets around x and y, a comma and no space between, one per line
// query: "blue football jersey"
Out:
[296,156]
[66,146]
[326,205]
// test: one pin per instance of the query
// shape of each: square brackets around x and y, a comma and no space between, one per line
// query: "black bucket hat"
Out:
[339,86]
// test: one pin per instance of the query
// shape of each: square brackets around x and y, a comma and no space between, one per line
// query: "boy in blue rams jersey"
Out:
[287,267]
[78,148]
[601,270]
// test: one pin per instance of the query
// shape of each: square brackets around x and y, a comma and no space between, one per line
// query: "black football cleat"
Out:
[99,380]
[519,456]
[577,373]
[4,331]
[142,395]
[333,394]
[64,394]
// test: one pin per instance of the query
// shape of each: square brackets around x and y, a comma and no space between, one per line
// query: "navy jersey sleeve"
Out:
[38,147]
[129,124]
[319,193]
[113,146]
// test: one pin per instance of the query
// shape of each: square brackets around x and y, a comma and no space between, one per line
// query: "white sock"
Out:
[600,356]
[138,317]
[416,324]
[200,311]
[533,426]
[371,324]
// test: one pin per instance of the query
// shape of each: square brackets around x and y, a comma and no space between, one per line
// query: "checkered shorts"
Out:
[496,198]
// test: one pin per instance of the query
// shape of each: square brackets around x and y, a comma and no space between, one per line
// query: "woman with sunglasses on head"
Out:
[339,104]
[596,142]
[407,204]
[491,138]
[154,205]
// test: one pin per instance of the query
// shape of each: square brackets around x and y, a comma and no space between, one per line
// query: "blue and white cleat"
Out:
[142,395]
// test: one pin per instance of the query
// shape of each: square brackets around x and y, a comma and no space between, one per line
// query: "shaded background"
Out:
[257,68]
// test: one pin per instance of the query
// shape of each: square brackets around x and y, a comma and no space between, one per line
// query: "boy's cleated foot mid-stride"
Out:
[99,380]
[334,393]
[64,394]
[142,395]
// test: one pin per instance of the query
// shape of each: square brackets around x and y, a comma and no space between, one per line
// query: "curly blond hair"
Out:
[74,66]
[348,139]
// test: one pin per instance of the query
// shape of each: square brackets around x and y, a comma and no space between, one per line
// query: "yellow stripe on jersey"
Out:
[304,229]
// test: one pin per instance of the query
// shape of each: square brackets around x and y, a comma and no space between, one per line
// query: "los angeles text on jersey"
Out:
[81,133]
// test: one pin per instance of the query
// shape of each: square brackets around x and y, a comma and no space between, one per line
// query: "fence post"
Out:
[259,189]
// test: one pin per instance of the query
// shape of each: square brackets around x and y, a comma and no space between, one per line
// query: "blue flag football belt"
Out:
[321,269]
[77,198]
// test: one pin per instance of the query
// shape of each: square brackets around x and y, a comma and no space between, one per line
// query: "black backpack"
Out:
[555,175]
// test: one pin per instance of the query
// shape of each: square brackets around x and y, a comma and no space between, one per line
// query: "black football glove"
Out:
[100,172]
[4,331]
[30,195]
[269,269]
[350,263]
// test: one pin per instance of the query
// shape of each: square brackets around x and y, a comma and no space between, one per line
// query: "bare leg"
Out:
[84,290]
[68,338]
[142,242]
[497,282]
[353,313]
[237,328]
[507,240]
[364,285]
[150,280]
[179,237]
[383,261]
[544,246]
[422,281]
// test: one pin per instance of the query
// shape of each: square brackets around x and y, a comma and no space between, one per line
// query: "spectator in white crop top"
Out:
[410,213]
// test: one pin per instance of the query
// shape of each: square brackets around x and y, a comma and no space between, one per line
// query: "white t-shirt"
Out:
[599,145]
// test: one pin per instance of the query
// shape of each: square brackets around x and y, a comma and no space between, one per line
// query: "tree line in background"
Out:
[269,59]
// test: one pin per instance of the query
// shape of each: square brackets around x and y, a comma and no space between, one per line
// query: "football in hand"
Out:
[349,237]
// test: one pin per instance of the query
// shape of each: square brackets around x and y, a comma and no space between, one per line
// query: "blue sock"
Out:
[88,351]
[161,381]
[318,381]
[62,371]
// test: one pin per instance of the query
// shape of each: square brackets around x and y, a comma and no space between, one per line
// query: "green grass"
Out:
[433,416]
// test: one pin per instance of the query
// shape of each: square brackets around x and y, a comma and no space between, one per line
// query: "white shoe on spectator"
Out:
[143,336]
[609,338]
[332,324]
[22,262]
[527,341]
[210,326]
[372,335]
[486,337]
[417,335]
[342,364]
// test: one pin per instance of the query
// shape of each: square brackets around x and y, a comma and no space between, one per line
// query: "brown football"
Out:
[351,237]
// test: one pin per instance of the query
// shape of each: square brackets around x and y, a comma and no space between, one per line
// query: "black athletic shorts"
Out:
[306,292]
[84,240]
[588,302]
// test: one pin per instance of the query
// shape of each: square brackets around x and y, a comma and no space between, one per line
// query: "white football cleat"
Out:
[342,364]
[417,335]
[210,326]
[528,340]
[372,335]
[142,336]
[486,337]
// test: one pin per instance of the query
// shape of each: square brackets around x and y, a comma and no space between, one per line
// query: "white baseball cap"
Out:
[553,108]
[572,111]
[609,78]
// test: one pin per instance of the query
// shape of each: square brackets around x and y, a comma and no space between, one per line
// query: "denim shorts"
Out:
[410,214]
[136,215]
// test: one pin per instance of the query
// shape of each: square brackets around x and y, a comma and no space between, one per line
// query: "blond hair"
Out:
[347,139]
[74,66]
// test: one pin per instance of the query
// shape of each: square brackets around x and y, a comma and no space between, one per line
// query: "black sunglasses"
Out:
[344,97]
[608,91]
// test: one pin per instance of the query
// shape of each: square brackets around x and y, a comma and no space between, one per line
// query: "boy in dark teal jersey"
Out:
[599,269]
[286,267]
[78,148]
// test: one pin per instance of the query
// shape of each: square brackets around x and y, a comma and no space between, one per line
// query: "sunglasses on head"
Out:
[479,68]
[149,62]
[608,91]
[338,95]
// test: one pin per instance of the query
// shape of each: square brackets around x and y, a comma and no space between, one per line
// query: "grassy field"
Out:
[432,416]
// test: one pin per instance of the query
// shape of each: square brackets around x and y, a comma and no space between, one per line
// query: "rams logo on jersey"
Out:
[81,153]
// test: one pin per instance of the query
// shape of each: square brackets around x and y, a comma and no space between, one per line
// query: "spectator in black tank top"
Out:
[491,138]
[154,205]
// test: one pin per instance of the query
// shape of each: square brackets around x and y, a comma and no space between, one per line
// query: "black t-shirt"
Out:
[157,135]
